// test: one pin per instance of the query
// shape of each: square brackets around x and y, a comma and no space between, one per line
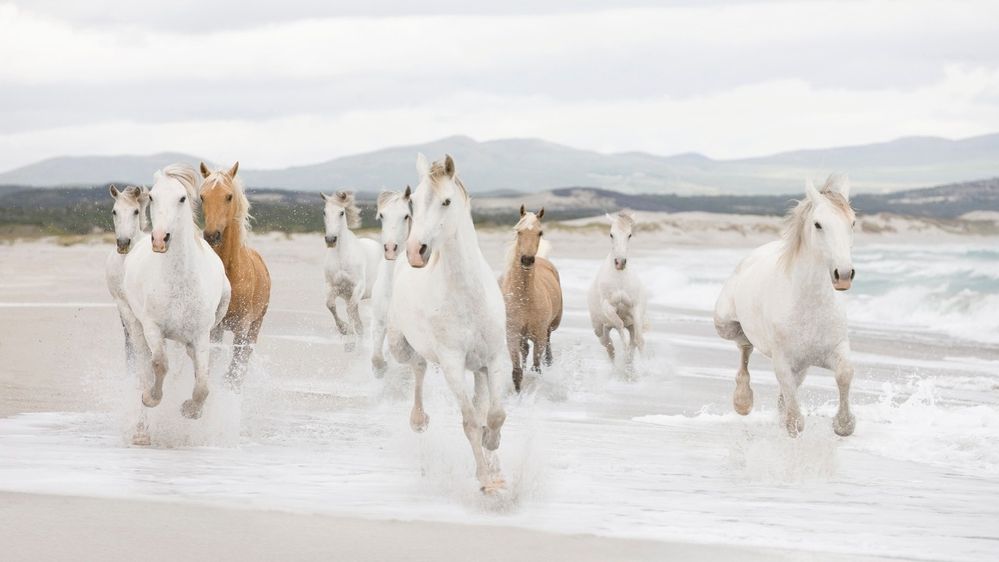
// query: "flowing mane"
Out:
[347,200]
[794,223]
[189,178]
[242,212]
[386,198]
[438,172]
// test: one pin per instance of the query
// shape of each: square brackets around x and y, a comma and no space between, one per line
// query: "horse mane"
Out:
[794,222]
[544,246]
[347,200]
[239,198]
[627,218]
[438,172]
[386,198]
[189,178]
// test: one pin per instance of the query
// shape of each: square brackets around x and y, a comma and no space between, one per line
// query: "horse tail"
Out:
[544,248]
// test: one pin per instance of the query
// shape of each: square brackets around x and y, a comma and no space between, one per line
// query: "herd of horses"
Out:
[442,304]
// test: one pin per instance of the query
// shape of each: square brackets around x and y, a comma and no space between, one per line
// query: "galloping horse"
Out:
[227,220]
[175,286]
[394,214]
[533,296]
[782,301]
[447,308]
[130,224]
[351,262]
[617,296]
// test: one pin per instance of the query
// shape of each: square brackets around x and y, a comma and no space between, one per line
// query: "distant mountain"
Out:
[93,170]
[531,165]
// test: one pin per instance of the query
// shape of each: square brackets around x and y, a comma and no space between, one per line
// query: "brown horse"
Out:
[533,296]
[227,216]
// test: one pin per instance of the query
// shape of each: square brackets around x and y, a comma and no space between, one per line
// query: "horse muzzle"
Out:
[843,281]
[620,263]
[391,251]
[123,245]
[213,238]
[331,241]
[161,242]
[527,262]
[418,254]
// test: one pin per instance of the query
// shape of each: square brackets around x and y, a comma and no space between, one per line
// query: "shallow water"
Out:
[587,449]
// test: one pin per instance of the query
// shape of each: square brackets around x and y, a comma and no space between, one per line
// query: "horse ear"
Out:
[143,195]
[541,213]
[324,196]
[523,211]
[422,165]
[408,193]
[449,165]
[234,169]
[204,170]
[812,193]
[610,219]
[113,191]
[842,185]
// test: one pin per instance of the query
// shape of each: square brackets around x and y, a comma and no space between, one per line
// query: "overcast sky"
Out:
[307,80]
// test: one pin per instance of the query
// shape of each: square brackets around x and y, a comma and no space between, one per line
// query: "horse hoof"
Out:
[795,425]
[141,440]
[844,425]
[150,401]
[494,486]
[743,401]
[378,367]
[191,409]
[419,422]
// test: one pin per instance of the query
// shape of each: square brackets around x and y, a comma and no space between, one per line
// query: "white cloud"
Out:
[723,79]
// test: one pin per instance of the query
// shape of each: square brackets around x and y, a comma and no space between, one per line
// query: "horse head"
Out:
[440,204]
[394,216]
[128,214]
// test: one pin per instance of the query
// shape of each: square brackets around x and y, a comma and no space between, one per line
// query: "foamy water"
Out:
[587,449]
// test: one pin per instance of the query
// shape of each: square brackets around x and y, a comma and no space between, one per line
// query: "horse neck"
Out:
[347,241]
[809,277]
[144,226]
[232,244]
[185,245]
[517,275]
[460,255]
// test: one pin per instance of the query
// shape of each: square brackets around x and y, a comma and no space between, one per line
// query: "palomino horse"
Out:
[533,296]
[175,286]
[782,301]
[130,224]
[394,215]
[351,262]
[447,308]
[227,221]
[617,296]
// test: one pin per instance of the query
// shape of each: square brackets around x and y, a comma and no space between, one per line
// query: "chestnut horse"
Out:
[533,296]
[227,215]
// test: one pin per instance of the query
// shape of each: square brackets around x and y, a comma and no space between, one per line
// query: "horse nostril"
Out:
[853,273]
[423,249]
[836,274]
[167,237]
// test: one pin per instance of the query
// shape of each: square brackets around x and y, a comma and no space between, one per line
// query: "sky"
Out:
[304,81]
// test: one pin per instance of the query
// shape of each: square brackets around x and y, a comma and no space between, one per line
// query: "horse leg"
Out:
[495,417]
[354,312]
[538,351]
[404,353]
[548,348]
[244,339]
[200,350]
[143,374]
[844,422]
[154,339]
[515,344]
[788,381]
[472,423]
[603,333]
[341,326]
[378,363]
[742,400]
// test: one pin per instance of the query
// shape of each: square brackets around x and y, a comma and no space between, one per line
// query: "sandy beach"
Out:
[315,460]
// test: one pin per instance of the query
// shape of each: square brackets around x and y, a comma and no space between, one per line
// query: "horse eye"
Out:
[407,218]
[612,235]
[228,197]
[818,226]
[150,198]
[341,213]
[184,198]
[136,212]
[447,202]
[115,213]
[379,217]
[630,235]
[541,233]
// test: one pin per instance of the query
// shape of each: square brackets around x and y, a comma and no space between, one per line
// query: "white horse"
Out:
[447,308]
[175,285]
[130,224]
[394,215]
[617,297]
[782,301]
[351,262]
